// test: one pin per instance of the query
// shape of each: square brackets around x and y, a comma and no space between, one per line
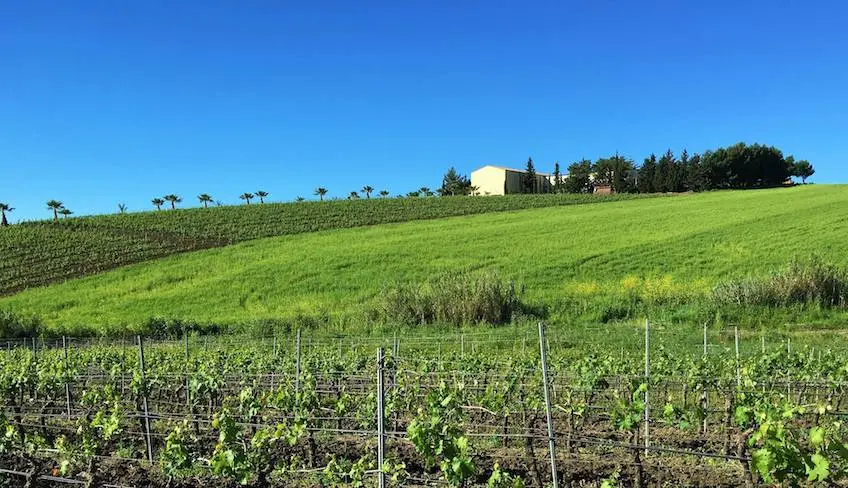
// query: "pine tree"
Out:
[454,183]
[529,181]
[557,179]
[647,174]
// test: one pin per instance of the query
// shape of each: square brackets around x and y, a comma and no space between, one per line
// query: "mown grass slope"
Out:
[39,253]
[582,256]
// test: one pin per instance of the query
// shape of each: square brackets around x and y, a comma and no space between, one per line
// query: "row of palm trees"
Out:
[206,199]
[59,208]
[321,192]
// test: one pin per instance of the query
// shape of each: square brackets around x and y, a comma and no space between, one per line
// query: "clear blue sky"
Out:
[105,101]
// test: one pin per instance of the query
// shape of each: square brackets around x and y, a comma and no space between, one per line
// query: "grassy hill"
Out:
[581,262]
[44,252]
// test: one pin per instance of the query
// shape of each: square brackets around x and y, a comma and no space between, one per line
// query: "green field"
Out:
[44,252]
[662,256]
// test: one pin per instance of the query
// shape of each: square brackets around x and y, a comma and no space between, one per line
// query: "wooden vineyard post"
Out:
[705,339]
[187,382]
[144,400]
[67,385]
[274,364]
[763,344]
[736,341]
[647,383]
[381,435]
[550,419]
[462,345]
[297,365]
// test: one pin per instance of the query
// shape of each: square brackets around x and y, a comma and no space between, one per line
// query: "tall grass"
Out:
[456,299]
[809,281]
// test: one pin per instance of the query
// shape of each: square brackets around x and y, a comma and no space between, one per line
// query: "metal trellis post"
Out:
[67,385]
[550,420]
[381,435]
[144,400]
[647,383]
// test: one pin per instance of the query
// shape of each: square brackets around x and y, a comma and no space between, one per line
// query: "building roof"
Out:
[510,169]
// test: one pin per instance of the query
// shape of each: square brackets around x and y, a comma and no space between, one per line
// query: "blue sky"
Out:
[105,101]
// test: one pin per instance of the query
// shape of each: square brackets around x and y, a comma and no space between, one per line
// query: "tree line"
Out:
[736,167]
[740,166]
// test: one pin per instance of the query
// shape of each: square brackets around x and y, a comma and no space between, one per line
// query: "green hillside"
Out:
[577,261]
[44,252]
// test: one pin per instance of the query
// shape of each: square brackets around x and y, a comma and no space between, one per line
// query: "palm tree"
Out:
[122,208]
[300,199]
[5,207]
[261,194]
[205,198]
[353,196]
[321,191]
[425,191]
[174,199]
[65,212]
[384,193]
[158,202]
[55,206]
[246,197]
[367,190]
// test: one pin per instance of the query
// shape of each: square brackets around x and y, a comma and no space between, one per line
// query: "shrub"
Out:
[162,327]
[806,282]
[13,325]
[451,299]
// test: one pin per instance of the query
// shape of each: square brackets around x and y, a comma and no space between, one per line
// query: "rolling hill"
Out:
[582,257]
[44,252]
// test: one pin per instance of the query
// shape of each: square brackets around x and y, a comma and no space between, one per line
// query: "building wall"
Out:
[499,181]
[489,180]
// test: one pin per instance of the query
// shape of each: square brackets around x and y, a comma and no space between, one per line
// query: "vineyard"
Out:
[40,253]
[491,409]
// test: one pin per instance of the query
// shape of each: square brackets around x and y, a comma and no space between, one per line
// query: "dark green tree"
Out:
[64,212]
[617,172]
[695,176]
[647,175]
[321,192]
[666,176]
[384,193]
[558,180]
[803,169]
[246,197]
[367,190]
[262,195]
[454,183]
[579,178]
[528,181]
[158,202]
